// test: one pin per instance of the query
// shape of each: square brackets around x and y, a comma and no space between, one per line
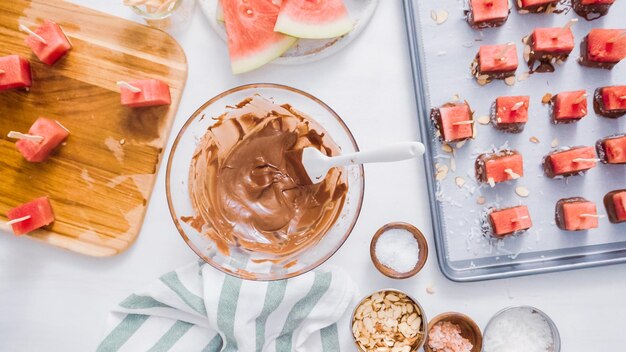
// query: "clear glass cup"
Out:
[168,15]
[245,264]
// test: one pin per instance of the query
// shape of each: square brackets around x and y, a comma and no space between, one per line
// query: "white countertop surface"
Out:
[54,300]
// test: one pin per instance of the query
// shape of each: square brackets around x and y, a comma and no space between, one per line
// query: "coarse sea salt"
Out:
[519,330]
[398,250]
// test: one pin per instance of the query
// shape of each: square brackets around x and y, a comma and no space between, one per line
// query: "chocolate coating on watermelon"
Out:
[568,161]
[509,221]
[610,101]
[591,9]
[615,204]
[454,121]
[510,114]
[603,48]
[612,150]
[576,214]
[487,13]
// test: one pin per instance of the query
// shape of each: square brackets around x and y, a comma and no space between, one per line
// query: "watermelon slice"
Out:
[252,41]
[31,216]
[152,92]
[53,135]
[314,19]
[56,44]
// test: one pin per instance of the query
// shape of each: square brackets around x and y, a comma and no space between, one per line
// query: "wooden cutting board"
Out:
[100,181]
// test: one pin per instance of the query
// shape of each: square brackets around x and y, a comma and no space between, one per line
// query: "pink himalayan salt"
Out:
[446,337]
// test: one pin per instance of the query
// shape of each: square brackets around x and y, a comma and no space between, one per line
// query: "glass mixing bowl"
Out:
[246,264]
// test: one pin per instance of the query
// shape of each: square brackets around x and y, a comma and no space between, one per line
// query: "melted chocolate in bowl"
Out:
[248,187]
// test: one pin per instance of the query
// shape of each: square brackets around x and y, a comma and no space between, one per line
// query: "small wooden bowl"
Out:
[469,329]
[421,243]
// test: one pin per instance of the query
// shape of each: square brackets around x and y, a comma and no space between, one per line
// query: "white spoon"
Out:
[317,164]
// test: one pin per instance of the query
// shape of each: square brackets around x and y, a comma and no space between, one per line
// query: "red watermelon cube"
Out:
[605,46]
[491,59]
[39,212]
[552,40]
[570,106]
[576,214]
[152,92]
[56,43]
[487,13]
[14,72]
[613,98]
[454,121]
[511,113]
[570,162]
[612,150]
[510,220]
[53,134]
[615,203]
[526,4]
[499,167]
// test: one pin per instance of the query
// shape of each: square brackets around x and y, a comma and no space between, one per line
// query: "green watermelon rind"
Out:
[291,27]
[246,64]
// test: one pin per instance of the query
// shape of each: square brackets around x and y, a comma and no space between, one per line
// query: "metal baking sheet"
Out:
[440,57]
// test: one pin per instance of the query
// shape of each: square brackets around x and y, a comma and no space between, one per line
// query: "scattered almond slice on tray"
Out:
[534,139]
[546,99]
[439,16]
[460,181]
[484,120]
[555,143]
[522,191]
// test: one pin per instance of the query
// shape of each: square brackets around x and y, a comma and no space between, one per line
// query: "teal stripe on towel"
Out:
[330,338]
[215,345]
[194,301]
[273,297]
[141,302]
[302,309]
[226,309]
[122,332]
[172,336]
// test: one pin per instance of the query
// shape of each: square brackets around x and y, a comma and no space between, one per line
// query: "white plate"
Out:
[307,50]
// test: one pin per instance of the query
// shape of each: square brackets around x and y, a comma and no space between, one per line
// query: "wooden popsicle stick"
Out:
[63,127]
[585,160]
[623,97]
[1,72]
[591,216]
[128,86]
[502,54]
[491,182]
[511,173]
[580,99]
[517,105]
[520,218]
[15,221]
[20,135]
[567,26]
[23,28]
[468,122]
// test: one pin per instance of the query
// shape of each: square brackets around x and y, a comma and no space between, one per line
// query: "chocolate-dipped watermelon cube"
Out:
[31,216]
[50,44]
[14,72]
[612,150]
[510,114]
[494,62]
[603,48]
[610,101]
[569,106]
[591,9]
[454,121]
[510,220]
[144,93]
[487,13]
[569,162]
[547,46]
[576,214]
[536,6]
[52,133]
[499,167]
[615,204]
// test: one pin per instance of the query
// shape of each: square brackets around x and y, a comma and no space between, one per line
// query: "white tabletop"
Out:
[54,300]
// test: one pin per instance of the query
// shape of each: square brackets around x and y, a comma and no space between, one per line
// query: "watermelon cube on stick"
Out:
[14,72]
[48,42]
[252,41]
[510,220]
[143,93]
[314,19]
[42,138]
[576,214]
[30,216]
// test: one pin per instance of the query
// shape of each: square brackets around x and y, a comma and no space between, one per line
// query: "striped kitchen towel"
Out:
[198,308]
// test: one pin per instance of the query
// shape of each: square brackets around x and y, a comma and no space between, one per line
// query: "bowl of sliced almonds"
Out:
[389,320]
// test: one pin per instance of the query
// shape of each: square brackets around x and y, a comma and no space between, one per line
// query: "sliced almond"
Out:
[554,143]
[453,164]
[460,181]
[442,16]
[522,191]
[510,81]
[535,140]
[480,200]
[484,120]
[546,99]
[460,144]
[446,148]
